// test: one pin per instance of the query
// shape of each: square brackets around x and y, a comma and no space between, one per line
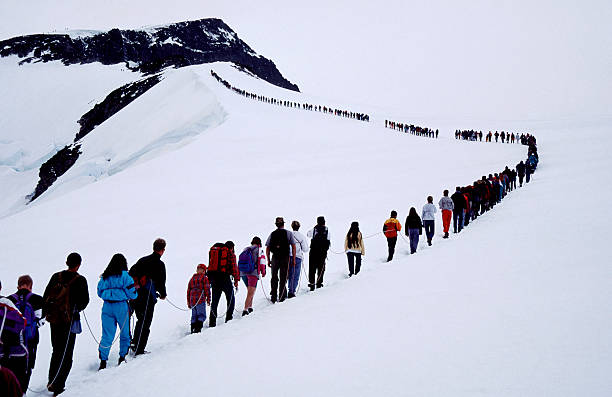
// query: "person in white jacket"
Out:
[429,219]
[447,206]
[301,246]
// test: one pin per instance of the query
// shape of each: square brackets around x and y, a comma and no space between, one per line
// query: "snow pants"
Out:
[115,314]
[413,234]
[144,307]
[316,264]
[62,341]
[221,283]
[430,228]
[457,220]
[352,258]
[446,219]
[391,241]
[198,313]
[294,274]
[280,265]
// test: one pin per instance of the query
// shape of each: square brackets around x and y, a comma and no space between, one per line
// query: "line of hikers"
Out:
[137,290]
[411,128]
[291,104]
[506,137]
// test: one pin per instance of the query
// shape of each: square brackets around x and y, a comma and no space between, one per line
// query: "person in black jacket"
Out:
[149,274]
[414,228]
[520,170]
[459,203]
[23,297]
[64,319]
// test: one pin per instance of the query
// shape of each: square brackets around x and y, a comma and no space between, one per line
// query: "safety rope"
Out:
[116,338]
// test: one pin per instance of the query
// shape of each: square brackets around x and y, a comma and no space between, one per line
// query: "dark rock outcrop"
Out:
[61,162]
[149,51]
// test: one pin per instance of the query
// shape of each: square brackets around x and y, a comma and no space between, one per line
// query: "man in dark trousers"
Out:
[520,170]
[319,244]
[149,275]
[30,305]
[390,229]
[65,296]
[222,267]
[278,244]
[460,206]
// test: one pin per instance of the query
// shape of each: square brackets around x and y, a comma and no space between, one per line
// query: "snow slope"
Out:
[516,305]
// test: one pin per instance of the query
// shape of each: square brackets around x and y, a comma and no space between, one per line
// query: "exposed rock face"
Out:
[148,51]
[61,162]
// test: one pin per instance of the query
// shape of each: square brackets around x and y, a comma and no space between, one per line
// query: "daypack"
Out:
[217,258]
[28,312]
[319,240]
[279,243]
[246,263]
[57,302]
[12,324]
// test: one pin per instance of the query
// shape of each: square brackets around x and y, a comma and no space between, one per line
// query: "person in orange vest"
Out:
[390,228]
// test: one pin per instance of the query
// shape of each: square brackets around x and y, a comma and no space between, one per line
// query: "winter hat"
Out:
[202,266]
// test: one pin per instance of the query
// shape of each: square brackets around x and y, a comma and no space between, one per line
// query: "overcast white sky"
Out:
[474,59]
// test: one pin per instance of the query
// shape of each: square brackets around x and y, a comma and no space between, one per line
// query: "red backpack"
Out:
[218,258]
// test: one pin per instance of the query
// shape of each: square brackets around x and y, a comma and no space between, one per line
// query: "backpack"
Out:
[279,243]
[57,302]
[246,263]
[12,325]
[28,312]
[217,258]
[319,240]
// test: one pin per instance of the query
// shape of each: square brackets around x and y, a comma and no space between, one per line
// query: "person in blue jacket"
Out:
[116,287]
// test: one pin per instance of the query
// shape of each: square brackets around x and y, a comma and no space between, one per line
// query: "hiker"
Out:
[248,264]
[446,206]
[279,244]
[520,171]
[116,287]
[390,228]
[9,384]
[458,208]
[319,244]
[66,295]
[222,273]
[30,305]
[354,248]
[301,245]
[429,219]
[414,228]
[13,349]
[198,296]
[149,274]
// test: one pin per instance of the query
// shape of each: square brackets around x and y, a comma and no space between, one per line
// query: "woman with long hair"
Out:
[116,288]
[354,248]
[414,228]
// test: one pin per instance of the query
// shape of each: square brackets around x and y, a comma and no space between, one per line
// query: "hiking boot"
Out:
[102,365]
[229,318]
[312,287]
[445,235]
[245,313]
[121,360]
[290,296]
[250,310]
[273,299]
[319,285]
[141,353]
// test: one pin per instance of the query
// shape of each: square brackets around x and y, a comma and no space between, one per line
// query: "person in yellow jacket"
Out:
[390,228]
[354,248]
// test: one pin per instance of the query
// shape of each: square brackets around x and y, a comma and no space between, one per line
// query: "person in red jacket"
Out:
[198,296]
[390,228]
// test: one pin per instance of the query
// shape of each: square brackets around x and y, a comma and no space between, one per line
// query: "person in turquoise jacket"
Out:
[116,287]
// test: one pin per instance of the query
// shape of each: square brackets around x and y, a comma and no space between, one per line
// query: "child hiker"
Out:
[198,296]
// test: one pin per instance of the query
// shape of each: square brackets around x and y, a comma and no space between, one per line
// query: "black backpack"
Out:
[319,242]
[57,302]
[279,243]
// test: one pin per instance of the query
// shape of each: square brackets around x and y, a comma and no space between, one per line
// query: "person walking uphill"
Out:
[66,295]
[390,228]
[414,228]
[13,349]
[30,305]
[116,287]
[447,206]
[354,248]
[459,206]
[279,243]
[222,268]
[301,246]
[250,270]
[149,274]
[319,245]
[198,296]
[429,219]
